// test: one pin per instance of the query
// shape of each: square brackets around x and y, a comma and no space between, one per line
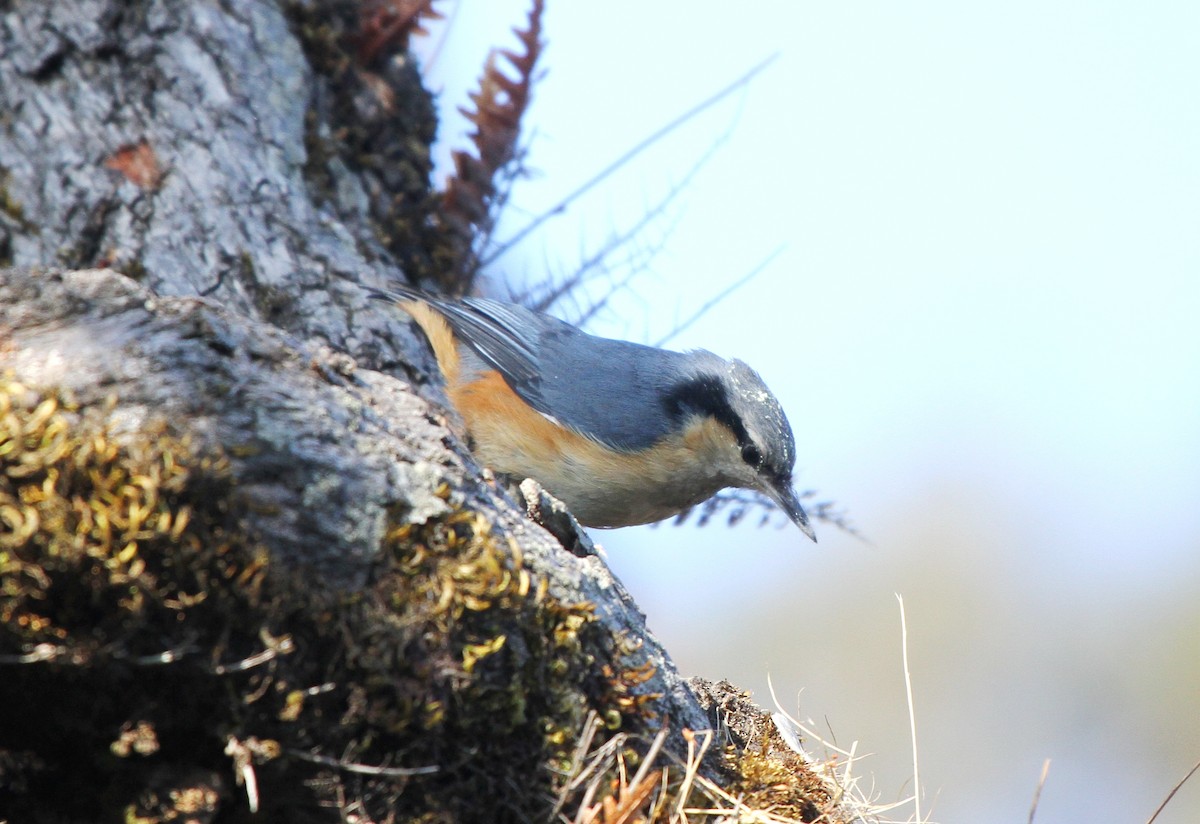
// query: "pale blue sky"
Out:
[985,327]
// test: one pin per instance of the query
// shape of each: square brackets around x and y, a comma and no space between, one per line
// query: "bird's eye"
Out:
[752,455]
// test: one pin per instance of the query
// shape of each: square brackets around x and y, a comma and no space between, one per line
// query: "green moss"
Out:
[84,556]
[148,642]
[125,584]
[489,665]
[779,780]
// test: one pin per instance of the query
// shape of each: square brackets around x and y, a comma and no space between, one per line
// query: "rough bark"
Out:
[191,194]
[323,457]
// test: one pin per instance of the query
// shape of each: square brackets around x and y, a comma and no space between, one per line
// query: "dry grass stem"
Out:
[1174,790]
[1037,793]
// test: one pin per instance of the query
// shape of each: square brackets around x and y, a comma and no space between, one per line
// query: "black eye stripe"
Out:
[706,395]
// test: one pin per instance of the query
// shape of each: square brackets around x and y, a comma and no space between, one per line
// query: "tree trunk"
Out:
[246,564]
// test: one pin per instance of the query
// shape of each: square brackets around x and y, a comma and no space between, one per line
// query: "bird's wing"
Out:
[603,389]
[506,336]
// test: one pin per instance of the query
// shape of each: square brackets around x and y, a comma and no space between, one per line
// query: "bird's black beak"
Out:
[785,496]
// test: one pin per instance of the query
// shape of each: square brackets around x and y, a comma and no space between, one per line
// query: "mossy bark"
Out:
[245,563]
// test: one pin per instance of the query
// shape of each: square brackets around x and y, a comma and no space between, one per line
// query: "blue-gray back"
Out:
[612,391]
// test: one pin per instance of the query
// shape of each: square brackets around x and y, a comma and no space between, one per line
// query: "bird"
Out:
[622,433]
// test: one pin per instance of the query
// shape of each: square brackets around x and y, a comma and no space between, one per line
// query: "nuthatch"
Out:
[621,433]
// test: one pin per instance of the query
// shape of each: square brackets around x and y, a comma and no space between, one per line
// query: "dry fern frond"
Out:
[740,504]
[389,23]
[472,193]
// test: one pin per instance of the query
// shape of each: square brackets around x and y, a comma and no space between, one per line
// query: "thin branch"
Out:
[724,293]
[1174,790]
[598,258]
[608,170]
[636,263]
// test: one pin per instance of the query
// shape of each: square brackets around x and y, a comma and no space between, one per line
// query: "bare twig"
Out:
[635,263]
[1174,790]
[724,293]
[595,261]
[608,170]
